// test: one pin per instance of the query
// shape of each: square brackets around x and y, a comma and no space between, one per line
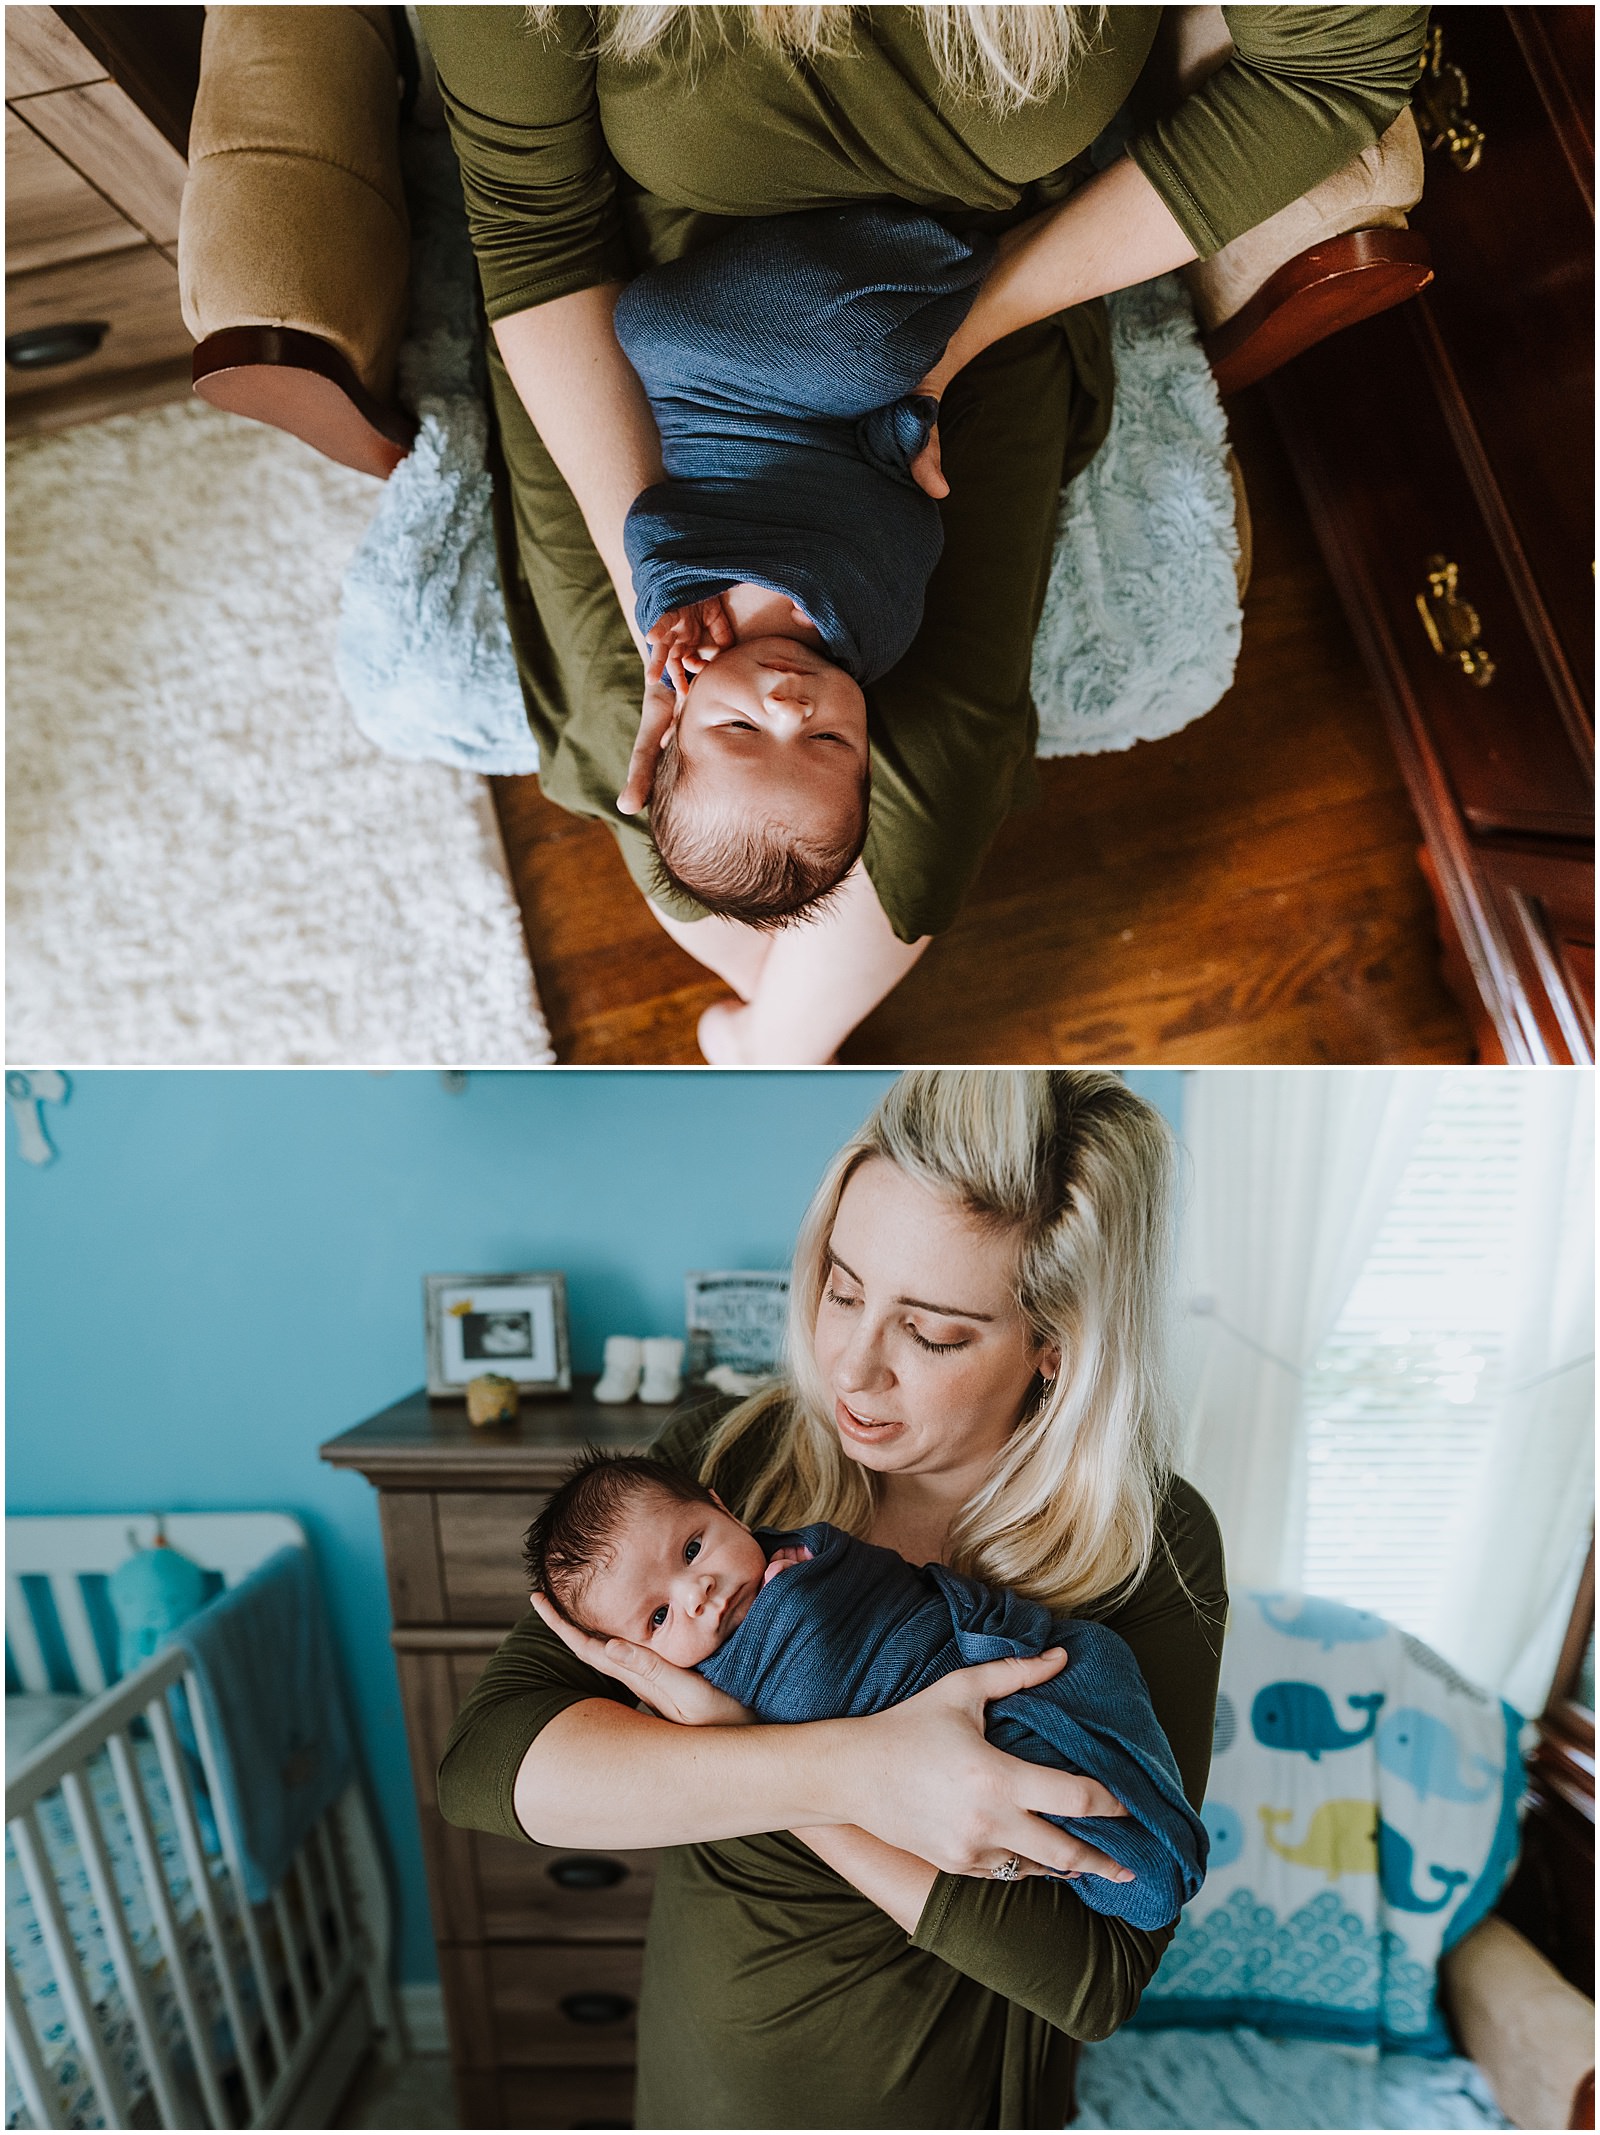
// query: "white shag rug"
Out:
[207,863]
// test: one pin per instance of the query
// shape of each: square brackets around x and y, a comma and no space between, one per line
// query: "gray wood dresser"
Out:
[539,1949]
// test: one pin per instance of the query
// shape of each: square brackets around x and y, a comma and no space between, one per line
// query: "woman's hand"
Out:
[684,640]
[657,716]
[926,470]
[676,1694]
[929,1783]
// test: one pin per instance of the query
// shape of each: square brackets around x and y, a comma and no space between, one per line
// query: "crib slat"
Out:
[205,1892]
[291,1957]
[328,1854]
[230,1854]
[23,1639]
[77,1630]
[39,2089]
[316,1913]
[76,1994]
[84,1812]
[151,1867]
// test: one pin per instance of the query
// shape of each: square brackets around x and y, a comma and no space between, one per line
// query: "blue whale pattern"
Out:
[1396,1861]
[1424,1753]
[1327,1623]
[1300,1716]
[1225,1829]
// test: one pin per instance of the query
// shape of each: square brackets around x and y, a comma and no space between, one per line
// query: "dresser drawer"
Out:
[572,2005]
[1371,437]
[556,1893]
[51,213]
[566,2098]
[480,1553]
[133,293]
[1513,296]
[1544,900]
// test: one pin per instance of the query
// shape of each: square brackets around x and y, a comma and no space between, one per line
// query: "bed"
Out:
[142,1990]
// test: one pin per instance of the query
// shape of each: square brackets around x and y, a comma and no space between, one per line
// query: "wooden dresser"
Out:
[539,1950]
[97,104]
[1446,450]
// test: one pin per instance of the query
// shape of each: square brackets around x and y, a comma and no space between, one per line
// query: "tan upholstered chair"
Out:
[292,247]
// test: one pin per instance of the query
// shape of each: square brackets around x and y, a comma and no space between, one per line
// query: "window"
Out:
[1401,1399]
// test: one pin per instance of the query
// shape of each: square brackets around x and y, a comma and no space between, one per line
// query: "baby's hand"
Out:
[684,640]
[677,1694]
[656,720]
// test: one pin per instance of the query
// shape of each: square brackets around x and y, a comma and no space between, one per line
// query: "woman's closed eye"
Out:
[939,1348]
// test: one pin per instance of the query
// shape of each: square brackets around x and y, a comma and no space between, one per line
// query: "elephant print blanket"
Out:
[1362,1811]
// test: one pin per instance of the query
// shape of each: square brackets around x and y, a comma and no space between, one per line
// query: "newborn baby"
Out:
[781,362]
[814,1625]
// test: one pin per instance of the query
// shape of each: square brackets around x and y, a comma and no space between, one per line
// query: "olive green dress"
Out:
[580,170]
[775,1995]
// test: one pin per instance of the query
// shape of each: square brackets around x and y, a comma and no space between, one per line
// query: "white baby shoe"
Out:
[663,1369]
[620,1380]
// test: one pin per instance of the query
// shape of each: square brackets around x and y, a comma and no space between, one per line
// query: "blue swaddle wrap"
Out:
[781,363]
[858,1629]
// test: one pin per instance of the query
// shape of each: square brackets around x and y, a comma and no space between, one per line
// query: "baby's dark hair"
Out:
[751,870]
[574,1535]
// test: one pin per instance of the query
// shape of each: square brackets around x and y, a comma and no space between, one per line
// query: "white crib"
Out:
[142,1989]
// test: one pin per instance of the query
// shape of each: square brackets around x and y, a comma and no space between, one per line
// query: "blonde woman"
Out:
[852,1925]
[595,142]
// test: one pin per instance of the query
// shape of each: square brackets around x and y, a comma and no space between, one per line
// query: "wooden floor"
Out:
[1244,891]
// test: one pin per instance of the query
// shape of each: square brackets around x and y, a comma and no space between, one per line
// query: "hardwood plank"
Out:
[90,400]
[135,293]
[1247,890]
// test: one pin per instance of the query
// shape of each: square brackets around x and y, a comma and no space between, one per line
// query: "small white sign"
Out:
[735,1316]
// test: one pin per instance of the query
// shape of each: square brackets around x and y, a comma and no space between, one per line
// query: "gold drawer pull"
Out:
[1440,104]
[1452,624]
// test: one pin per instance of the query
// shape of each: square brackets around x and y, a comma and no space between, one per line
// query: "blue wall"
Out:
[222,1270]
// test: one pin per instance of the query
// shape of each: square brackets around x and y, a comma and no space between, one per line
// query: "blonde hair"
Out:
[1080,1171]
[1001,56]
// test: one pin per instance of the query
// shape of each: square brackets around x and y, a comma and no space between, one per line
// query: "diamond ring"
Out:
[1007,1871]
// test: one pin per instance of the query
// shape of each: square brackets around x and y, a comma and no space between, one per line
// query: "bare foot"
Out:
[720,1034]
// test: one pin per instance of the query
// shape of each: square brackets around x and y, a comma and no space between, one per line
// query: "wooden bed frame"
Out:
[301,1982]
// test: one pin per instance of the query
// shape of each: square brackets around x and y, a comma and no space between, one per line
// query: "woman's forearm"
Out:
[601,1774]
[1114,231]
[897,1883]
[585,400]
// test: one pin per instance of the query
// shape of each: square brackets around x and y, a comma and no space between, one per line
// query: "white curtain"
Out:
[1292,1174]
[1509,1583]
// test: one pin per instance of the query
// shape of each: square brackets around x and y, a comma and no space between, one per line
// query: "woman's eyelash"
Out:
[835,1299]
[940,1348]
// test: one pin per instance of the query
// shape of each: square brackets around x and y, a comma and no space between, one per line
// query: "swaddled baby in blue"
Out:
[814,1625]
[781,364]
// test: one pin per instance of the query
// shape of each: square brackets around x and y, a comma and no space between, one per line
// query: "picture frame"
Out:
[513,1324]
[737,1317]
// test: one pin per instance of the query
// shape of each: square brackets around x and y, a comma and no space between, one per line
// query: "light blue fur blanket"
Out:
[1141,621]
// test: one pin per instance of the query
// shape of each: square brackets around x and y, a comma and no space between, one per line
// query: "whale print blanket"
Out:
[781,363]
[858,1629]
[1362,1809]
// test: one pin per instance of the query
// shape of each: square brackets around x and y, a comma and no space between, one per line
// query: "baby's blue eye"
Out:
[659,1618]
[691,1550]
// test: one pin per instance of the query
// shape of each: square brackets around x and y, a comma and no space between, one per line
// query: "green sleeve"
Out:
[1306,89]
[537,176]
[530,1678]
[1036,1942]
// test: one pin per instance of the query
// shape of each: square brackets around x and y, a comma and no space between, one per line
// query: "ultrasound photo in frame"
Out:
[515,1325]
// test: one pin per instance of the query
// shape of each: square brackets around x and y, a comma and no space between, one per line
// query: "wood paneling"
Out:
[135,293]
[51,213]
[43,54]
[411,1555]
[111,142]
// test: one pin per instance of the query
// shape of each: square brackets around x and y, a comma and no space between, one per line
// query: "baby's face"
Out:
[779,729]
[679,1581]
